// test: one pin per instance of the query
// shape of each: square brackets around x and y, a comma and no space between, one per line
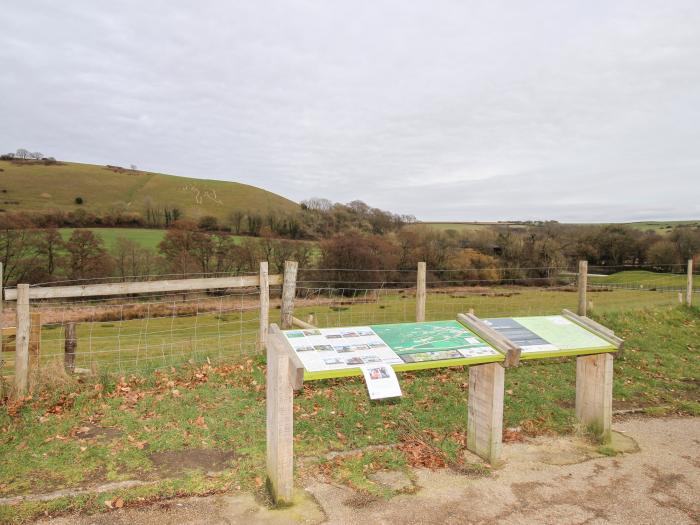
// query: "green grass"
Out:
[160,339]
[146,238]
[661,227]
[642,279]
[40,188]
[223,408]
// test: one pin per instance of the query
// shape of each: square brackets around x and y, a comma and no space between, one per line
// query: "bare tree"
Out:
[22,153]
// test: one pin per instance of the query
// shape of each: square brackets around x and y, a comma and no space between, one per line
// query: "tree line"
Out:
[527,254]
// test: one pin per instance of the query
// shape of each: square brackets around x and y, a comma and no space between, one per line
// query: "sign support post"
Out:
[485,411]
[594,382]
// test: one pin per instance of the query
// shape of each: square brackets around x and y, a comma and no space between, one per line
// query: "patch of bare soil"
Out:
[172,463]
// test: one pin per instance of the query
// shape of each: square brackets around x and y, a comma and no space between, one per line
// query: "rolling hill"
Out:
[38,187]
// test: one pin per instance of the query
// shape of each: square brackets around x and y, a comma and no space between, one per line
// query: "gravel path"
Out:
[545,480]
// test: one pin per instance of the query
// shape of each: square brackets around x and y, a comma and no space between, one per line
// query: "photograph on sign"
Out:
[381,381]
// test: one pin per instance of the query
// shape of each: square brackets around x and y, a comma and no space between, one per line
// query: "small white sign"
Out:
[381,381]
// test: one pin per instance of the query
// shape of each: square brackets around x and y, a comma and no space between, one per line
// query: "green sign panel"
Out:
[549,336]
[338,352]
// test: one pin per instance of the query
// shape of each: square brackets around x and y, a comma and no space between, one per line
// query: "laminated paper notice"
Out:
[381,381]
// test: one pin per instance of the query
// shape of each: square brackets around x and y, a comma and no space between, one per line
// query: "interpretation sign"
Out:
[338,352]
[549,336]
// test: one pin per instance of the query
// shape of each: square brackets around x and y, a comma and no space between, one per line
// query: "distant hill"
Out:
[34,186]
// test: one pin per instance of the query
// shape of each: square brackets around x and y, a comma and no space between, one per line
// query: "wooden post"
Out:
[280,421]
[420,293]
[35,341]
[485,412]
[70,345]
[689,291]
[582,286]
[289,288]
[264,304]
[22,340]
[594,382]
[2,288]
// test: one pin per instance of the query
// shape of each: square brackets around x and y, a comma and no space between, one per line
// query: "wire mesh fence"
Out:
[133,333]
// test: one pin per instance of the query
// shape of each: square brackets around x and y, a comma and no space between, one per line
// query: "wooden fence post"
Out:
[420,293]
[280,420]
[594,382]
[2,297]
[582,286]
[70,345]
[485,411]
[264,304]
[689,291]
[22,340]
[289,287]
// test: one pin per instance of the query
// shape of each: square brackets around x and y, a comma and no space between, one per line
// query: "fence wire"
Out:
[146,332]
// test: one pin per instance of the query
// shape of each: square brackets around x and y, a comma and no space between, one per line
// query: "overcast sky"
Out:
[576,111]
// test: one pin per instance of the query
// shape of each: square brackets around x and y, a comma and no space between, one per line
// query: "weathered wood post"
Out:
[420,293]
[486,392]
[22,340]
[689,291]
[70,345]
[594,382]
[285,373]
[485,411]
[289,287]
[35,341]
[264,304]
[2,297]
[582,286]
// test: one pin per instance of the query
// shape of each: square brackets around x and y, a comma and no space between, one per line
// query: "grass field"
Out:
[53,440]
[37,187]
[642,279]
[661,227]
[146,238]
[161,339]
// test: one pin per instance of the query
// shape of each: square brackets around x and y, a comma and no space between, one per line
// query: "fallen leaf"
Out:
[119,503]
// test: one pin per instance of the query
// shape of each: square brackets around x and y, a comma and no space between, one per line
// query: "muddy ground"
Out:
[544,480]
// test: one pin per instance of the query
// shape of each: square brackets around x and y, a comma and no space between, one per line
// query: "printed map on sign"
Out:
[550,335]
[335,352]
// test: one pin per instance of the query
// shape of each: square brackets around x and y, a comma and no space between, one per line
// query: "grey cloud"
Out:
[583,111]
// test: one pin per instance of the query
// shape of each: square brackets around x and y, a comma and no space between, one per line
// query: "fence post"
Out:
[582,286]
[264,304]
[289,287]
[70,344]
[689,291]
[420,293]
[2,297]
[22,340]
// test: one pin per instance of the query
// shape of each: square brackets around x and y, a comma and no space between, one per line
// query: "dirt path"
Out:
[546,480]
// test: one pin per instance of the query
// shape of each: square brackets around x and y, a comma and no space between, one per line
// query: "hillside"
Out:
[37,187]
[661,227]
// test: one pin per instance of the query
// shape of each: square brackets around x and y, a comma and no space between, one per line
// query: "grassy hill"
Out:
[37,187]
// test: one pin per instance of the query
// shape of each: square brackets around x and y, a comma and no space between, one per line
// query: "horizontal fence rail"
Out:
[107,289]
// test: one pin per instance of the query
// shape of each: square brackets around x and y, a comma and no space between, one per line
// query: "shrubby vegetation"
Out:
[35,252]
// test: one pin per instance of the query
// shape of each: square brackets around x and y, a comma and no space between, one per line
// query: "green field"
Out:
[146,238]
[462,227]
[162,339]
[52,441]
[35,187]
[641,279]
[661,227]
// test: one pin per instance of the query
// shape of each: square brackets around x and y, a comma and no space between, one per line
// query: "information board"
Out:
[549,336]
[338,352]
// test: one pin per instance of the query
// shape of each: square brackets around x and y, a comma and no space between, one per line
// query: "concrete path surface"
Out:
[544,480]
